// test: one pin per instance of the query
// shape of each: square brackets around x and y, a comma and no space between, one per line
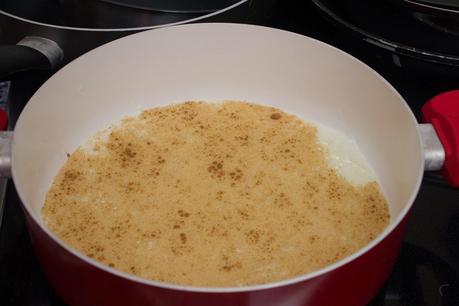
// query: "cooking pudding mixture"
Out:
[211,194]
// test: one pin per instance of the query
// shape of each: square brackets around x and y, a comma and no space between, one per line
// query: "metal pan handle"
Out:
[6,139]
[441,135]
[31,53]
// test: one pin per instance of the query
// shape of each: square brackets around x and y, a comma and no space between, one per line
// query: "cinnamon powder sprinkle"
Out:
[216,195]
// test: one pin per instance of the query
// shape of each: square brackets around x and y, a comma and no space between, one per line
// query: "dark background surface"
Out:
[427,270]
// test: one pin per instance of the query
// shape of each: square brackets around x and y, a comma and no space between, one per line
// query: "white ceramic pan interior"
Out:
[217,62]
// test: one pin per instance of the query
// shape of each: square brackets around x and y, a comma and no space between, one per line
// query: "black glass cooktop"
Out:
[103,14]
[427,270]
[176,6]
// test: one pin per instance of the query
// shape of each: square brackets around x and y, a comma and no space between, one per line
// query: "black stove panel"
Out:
[427,270]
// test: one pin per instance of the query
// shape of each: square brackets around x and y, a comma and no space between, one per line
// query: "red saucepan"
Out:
[218,62]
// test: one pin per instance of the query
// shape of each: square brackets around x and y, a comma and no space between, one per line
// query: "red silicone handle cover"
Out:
[3,120]
[442,112]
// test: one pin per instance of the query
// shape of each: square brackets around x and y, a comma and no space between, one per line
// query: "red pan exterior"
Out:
[80,283]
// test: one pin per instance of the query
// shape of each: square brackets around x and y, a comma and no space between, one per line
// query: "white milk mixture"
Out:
[344,155]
